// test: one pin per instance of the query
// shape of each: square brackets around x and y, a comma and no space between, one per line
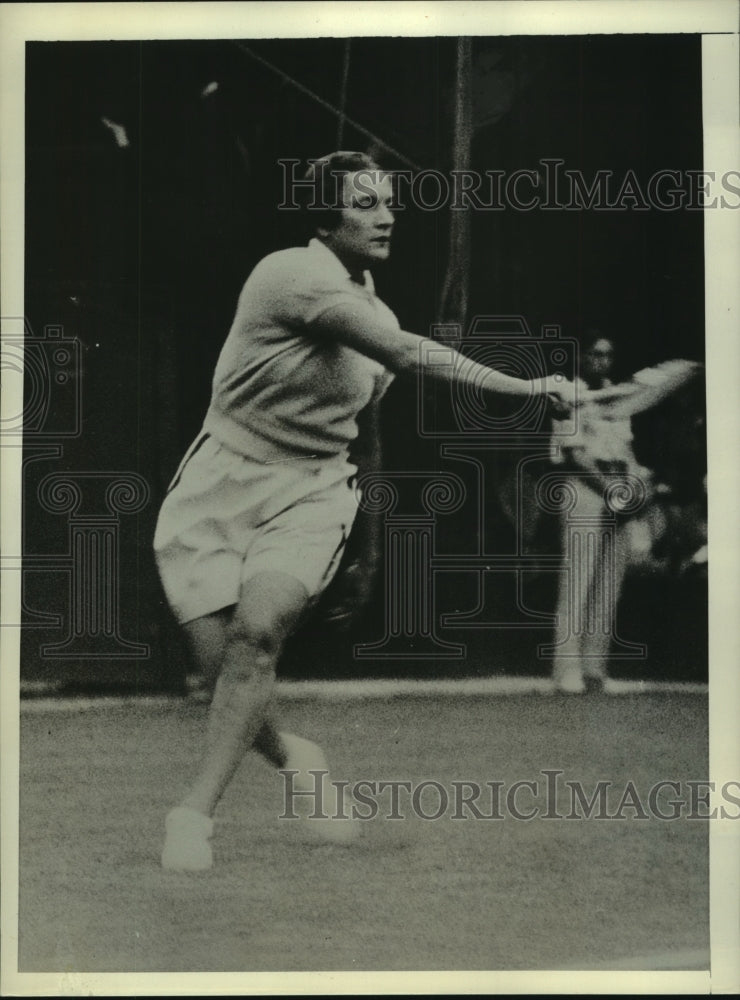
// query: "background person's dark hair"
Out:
[327,173]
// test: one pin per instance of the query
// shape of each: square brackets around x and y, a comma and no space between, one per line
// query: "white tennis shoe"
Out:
[187,843]
[303,756]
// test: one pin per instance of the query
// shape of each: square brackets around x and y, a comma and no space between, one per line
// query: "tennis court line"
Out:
[364,689]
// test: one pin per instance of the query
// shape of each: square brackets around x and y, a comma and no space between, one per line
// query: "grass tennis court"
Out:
[413,894]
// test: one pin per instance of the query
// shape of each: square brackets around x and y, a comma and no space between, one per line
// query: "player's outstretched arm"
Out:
[401,352]
[646,388]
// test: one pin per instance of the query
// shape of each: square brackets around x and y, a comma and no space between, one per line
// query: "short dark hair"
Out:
[328,173]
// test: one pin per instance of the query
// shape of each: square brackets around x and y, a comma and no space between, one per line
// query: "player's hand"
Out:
[561,396]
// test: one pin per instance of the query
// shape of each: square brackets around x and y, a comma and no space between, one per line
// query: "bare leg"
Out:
[269,606]
[245,645]
[207,640]
[208,637]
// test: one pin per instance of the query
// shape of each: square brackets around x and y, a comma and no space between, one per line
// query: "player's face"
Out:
[363,236]
[598,359]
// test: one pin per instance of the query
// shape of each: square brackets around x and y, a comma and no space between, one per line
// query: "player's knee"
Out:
[257,643]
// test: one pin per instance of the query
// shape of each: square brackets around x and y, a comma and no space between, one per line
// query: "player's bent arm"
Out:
[401,352]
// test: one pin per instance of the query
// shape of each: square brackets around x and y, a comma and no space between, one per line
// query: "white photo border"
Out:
[717,21]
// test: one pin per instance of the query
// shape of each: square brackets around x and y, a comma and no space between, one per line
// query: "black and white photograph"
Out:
[462,280]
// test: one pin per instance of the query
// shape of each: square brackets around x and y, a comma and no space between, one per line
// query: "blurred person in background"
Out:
[615,521]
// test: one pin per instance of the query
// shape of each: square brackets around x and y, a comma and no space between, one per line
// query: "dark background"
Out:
[140,253]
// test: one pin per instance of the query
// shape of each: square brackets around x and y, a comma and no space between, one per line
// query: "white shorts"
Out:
[226,518]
